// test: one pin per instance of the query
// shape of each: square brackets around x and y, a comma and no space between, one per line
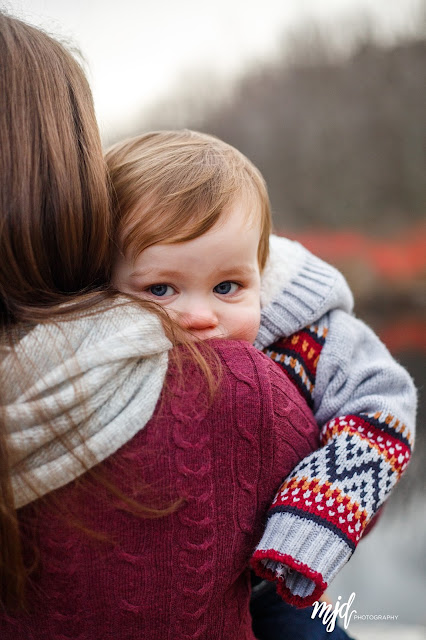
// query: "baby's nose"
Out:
[199,319]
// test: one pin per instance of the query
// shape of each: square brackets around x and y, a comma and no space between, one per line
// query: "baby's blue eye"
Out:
[223,288]
[161,290]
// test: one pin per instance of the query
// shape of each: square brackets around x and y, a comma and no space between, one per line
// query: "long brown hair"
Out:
[56,224]
[55,221]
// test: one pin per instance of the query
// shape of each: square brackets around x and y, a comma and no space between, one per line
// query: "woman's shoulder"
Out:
[249,389]
[244,363]
[233,369]
[268,381]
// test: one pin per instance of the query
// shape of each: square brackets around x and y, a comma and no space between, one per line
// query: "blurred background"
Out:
[328,99]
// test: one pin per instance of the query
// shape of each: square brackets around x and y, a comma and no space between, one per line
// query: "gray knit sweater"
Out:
[365,405]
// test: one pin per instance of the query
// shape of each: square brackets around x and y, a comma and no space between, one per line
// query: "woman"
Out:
[132,486]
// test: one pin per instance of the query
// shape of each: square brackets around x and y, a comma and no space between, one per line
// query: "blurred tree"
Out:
[340,141]
[340,145]
[340,136]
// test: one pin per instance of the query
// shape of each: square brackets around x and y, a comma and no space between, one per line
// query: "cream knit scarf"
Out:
[76,391]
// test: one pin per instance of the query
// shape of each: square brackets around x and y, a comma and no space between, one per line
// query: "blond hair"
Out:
[173,186]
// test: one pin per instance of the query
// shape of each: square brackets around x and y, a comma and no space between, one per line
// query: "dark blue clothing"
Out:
[274,619]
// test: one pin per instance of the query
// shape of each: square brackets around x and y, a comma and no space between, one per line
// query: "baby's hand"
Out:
[326,599]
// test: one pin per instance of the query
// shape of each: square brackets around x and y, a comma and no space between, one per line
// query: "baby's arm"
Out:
[365,403]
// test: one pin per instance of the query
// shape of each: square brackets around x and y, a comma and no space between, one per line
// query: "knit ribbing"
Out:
[313,289]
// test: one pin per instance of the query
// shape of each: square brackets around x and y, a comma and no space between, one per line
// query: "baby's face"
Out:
[210,285]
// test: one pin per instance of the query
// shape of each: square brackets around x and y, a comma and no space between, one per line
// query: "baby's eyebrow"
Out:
[235,270]
[139,273]
[224,272]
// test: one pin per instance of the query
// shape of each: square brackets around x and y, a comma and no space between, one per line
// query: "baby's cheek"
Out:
[248,327]
[255,327]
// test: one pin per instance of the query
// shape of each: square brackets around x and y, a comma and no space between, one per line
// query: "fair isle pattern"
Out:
[343,484]
[334,492]
[321,502]
[388,436]
[298,356]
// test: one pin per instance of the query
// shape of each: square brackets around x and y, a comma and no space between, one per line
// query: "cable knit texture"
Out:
[182,576]
[365,405]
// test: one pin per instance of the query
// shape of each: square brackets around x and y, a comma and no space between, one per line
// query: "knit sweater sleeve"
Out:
[364,403]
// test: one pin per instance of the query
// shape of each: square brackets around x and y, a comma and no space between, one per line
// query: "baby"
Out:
[194,234]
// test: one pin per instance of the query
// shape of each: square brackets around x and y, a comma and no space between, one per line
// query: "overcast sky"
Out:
[139,50]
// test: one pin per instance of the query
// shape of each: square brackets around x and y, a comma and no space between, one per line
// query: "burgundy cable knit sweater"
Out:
[183,575]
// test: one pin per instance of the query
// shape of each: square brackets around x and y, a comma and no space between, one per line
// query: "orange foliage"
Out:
[395,258]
